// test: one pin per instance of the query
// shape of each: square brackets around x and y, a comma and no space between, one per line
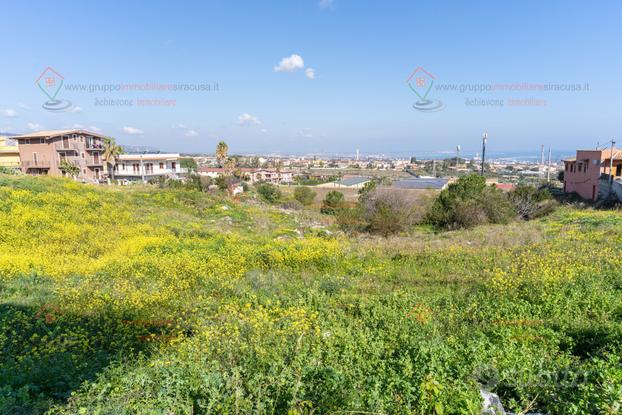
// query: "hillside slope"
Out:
[133,301]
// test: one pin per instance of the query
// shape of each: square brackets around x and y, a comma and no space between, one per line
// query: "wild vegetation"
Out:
[176,301]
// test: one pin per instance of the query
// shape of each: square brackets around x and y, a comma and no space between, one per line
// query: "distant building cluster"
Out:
[592,174]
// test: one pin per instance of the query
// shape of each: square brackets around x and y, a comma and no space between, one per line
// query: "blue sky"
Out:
[361,53]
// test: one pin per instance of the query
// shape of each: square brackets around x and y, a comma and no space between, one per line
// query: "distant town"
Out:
[94,158]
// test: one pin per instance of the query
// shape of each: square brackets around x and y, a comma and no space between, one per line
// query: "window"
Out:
[136,168]
[42,141]
[82,155]
[161,166]
[174,166]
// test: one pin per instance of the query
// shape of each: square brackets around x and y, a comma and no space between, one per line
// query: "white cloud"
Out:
[327,4]
[34,126]
[264,131]
[75,109]
[23,106]
[132,131]
[306,133]
[290,64]
[188,132]
[8,113]
[247,119]
[310,73]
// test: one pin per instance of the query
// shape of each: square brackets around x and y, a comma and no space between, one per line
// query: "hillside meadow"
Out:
[169,301]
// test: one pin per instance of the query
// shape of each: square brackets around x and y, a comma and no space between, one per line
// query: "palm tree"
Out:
[221,152]
[111,152]
[230,165]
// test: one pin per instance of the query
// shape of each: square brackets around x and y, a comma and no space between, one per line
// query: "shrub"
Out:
[469,202]
[292,205]
[69,168]
[332,202]
[367,188]
[531,202]
[387,212]
[352,220]
[304,195]
[269,192]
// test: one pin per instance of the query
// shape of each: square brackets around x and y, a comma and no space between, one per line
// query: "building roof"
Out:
[420,183]
[353,181]
[56,133]
[606,154]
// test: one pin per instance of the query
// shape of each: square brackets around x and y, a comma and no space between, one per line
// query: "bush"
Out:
[269,192]
[531,202]
[304,195]
[332,202]
[387,212]
[352,220]
[469,202]
[384,212]
[292,205]
[367,189]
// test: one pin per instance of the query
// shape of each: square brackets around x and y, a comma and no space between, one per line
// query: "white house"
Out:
[147,166]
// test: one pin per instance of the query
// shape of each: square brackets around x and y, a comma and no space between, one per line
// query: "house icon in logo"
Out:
[50,83]
[421,82]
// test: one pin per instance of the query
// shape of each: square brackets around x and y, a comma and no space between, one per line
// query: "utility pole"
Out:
[548,170]
[457,155]
[613,143]
[484,141]
[541,169]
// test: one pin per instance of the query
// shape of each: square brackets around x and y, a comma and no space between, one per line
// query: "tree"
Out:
[222,150]
[269,192]
[304,195]
[332,202]
[469,202]
[367,188]
[112,151]
[69,168]
[188,163]
[230,165]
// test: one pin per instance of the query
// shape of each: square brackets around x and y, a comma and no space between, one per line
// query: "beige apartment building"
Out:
[42,152]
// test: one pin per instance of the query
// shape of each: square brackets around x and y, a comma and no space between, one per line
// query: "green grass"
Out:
[133,301]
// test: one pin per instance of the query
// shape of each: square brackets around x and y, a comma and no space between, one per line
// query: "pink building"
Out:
[582,174]
[43,152]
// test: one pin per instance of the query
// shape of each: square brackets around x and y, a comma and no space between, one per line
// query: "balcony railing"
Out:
[36,164]
[66,147]
[147,173]
[94,147]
